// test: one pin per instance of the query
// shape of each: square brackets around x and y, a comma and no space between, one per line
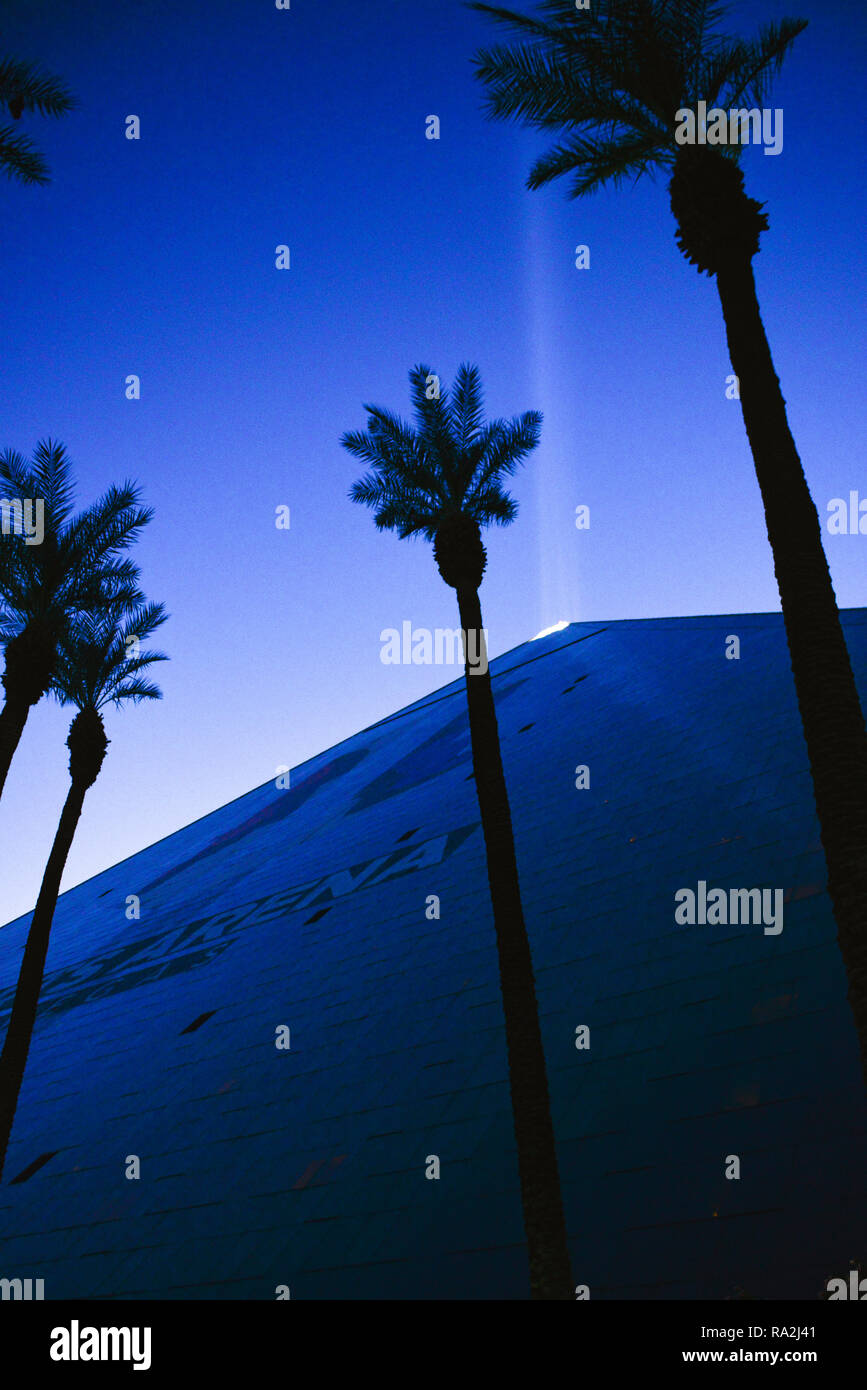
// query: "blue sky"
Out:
[306,127]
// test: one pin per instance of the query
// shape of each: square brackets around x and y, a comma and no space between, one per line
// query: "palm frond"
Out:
[507,444]
[494,505]
[80,567]
[525,23]
[527,84]
[433,421]
[467,405]
[396,507]
[452,463]
[750,67]
[100,659]
[391,444]
[52,473]
[23,87]
[597,161]
[136,691]
[142,622]
[612,79]
[14,471]
[19,158]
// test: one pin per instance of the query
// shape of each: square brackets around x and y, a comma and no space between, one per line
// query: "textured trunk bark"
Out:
[827,695]
[16,1046]
[544,1222]
[13,717]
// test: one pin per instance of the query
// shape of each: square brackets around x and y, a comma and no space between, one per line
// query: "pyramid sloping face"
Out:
[308,908]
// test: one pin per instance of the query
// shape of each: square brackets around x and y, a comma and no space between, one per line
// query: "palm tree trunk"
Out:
[544,1222]
[13,717]
[827,695]
[30,657]
[13,1059]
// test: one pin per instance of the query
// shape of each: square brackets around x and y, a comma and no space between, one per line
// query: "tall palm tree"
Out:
[612,79]
[100,662]
[443,480]
[24,88]
[78,566]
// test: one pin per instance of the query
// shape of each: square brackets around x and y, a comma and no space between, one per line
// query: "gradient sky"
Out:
[307,127]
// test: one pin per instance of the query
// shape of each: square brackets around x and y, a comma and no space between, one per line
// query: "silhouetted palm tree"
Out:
[76,567]
[24,88]
[443,480]
[612,79]
[100,663]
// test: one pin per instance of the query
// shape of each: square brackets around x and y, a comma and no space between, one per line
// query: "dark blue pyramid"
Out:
[307,908]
